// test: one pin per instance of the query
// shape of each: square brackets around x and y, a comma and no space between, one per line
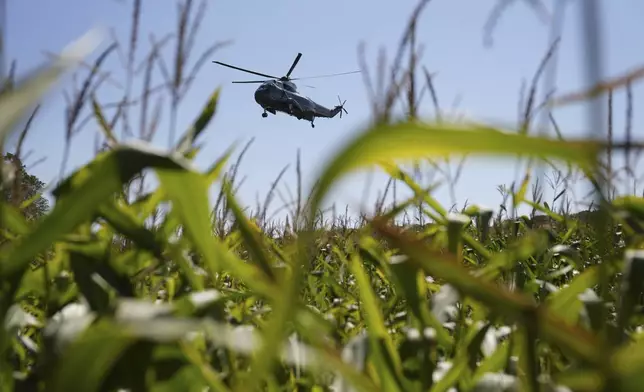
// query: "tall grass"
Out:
[122,287]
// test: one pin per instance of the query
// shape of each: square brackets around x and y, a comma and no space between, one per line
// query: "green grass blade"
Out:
[188,192]
[79,197]
[96,351]
[102,122]
[13,220]
[565,302]
[503,302]
[26,93]
[185,143]
[387,361]
[124,221]
[387,143]
[251,236]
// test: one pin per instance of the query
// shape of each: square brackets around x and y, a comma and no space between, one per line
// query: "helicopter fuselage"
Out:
[282,96]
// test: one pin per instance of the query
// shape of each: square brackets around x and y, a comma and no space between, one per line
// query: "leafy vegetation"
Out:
[21,187]
[118,287]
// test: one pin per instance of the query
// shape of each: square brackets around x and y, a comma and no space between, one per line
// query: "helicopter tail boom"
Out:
[334,112]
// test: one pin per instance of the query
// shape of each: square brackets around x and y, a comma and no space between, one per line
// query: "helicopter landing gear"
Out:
[264,114]
[312,125]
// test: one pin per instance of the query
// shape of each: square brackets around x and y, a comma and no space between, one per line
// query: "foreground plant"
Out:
[163,290]
[178,307]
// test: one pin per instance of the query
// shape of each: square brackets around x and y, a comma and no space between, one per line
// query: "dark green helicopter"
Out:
[280,95]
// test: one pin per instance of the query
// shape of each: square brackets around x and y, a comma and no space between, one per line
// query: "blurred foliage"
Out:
[24,189]
[122,287]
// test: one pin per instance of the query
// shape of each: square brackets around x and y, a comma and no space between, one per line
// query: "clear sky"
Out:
[483,82]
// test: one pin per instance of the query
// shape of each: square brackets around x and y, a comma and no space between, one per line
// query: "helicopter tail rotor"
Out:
[341,106]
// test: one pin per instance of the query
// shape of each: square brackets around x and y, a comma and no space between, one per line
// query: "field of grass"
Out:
[121,287]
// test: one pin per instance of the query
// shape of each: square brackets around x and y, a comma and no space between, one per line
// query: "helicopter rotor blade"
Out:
[249,81]
[297,60]
[327,76]
[245,70]
[341,106]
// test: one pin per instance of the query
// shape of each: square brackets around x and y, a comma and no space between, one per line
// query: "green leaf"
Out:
[520,195]
[26,93]
[386,143]
[188,192]
[208,112]
[215,170]
[586,380]
[523,248]
[565,302]
[123,220]
[395,172]
[96,352]
[13,220]
[503,302]
[205,371]
[633,204]
[406,276]
[355,353]
[79,197]
[102,122]
[451,376]
[250,234]
[93,287]
[387,360]
[495,362]
[628,363]
[172,371]
[632,287]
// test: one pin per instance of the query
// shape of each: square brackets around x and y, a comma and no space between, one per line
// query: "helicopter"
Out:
[281,95]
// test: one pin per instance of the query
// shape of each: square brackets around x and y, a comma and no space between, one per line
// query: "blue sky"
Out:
[481,82]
